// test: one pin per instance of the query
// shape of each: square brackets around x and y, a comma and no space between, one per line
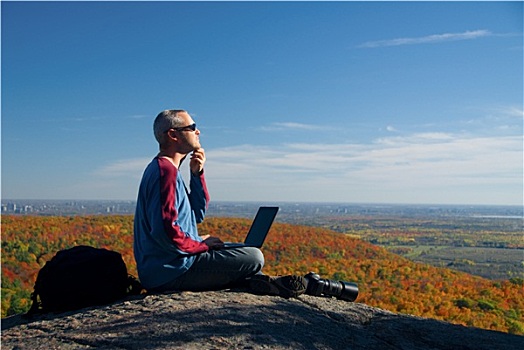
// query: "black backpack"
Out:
[79,277]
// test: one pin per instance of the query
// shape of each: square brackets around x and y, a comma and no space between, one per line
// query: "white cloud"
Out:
[425,168]
[390,128]
[417,138]
[295,126]
[132,168]
[513,111]
[118,180]
[430,39]
[139,116]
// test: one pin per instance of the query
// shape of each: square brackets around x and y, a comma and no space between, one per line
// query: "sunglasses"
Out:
[191,127]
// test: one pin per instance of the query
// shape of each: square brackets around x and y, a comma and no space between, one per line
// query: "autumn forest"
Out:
[385,279]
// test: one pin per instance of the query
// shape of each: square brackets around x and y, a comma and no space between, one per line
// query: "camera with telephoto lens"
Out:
[322,287]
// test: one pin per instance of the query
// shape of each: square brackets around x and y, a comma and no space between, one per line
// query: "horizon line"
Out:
[276,201]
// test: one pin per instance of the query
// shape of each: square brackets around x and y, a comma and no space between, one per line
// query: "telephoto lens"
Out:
[317,286]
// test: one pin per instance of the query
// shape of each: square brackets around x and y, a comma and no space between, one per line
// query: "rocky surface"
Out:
[235,320]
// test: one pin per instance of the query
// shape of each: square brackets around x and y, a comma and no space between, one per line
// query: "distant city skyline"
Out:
[304,211]
[349,102]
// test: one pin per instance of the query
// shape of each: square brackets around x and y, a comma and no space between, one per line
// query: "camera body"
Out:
[317,286]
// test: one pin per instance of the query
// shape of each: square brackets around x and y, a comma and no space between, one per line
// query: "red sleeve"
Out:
[168,176]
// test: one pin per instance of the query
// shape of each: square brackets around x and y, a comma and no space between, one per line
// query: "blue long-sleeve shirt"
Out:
[165,226]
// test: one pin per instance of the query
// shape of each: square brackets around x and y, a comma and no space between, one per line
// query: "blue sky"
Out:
[358,102]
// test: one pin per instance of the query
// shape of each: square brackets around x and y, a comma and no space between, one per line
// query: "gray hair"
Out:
[166,120]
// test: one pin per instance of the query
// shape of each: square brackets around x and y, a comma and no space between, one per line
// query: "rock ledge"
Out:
[235,320]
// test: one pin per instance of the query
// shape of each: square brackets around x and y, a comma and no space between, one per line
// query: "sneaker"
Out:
[285,286]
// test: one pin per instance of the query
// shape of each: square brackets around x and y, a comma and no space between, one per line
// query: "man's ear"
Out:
[172,134]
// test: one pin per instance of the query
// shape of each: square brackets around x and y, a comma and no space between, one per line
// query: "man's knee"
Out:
[259,256]
[256,257]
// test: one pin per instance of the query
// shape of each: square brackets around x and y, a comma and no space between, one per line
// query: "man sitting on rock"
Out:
[169,253]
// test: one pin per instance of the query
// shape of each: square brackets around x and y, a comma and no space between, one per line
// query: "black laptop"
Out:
[259,229]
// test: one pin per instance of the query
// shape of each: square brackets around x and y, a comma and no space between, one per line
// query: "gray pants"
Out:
[219,269]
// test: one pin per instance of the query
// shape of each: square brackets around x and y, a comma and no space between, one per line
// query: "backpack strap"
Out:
[35,306]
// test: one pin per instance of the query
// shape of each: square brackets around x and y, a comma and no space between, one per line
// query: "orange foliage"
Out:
[385,280]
